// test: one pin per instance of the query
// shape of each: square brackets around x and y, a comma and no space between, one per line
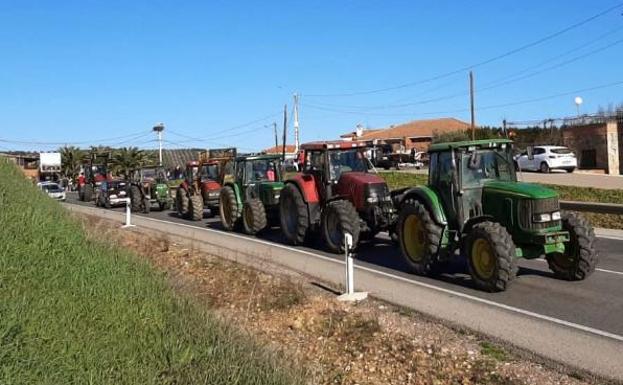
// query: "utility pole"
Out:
[504,129]
[471,104]
[158,128]
[296,123]
[276,138]
[285,126]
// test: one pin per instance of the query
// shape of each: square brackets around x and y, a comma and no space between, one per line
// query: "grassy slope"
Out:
[583,194]
[73,311]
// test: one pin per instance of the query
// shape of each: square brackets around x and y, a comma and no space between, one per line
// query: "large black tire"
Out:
[146,206]
[136,199]
[491,256]
[195,211]
[253,216]
[338,218]
[81,193]
[419,238]
[293,215]
[107,203]
[580,257]
[182,203]
[87,195]
[228,208]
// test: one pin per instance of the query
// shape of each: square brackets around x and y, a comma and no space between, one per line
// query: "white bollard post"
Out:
[128,219]
[350,294]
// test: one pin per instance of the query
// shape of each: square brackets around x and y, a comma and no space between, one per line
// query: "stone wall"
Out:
[597,146]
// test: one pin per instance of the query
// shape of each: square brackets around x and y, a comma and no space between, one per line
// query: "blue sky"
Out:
[74,71]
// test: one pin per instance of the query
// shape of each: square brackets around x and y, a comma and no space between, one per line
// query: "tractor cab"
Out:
[95,168]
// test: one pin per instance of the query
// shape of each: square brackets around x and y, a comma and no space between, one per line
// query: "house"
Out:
[597,143]
[27,162]
[417,134]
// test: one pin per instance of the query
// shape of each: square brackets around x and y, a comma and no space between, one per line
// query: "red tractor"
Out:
[335,194]
[202,183]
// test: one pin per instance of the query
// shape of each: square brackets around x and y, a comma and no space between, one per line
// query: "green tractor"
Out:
[250,197]
[474,206]
[148,186]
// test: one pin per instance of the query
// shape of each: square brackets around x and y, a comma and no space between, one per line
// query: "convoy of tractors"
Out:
[472,209]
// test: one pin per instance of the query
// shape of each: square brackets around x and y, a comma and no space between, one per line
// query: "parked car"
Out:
[546,158]
[54,190]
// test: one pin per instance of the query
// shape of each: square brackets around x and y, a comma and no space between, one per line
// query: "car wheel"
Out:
[544,168]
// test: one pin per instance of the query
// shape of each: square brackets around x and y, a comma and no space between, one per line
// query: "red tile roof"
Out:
[290,148]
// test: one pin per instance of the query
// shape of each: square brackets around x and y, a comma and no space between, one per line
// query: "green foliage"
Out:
[126,159]
[77,312]
[458,136]
[71,159]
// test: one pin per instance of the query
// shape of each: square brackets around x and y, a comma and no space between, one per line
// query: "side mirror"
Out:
[530,152]
[474,161]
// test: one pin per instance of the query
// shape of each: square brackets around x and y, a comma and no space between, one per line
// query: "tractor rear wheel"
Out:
[253,216]
[136,199]
[338,218]
[181,202]
[195,210]
[293,215]
[580,257]
[146,205]
[419,237]
[107,202]
[87,195]
[491,256]
[228,208]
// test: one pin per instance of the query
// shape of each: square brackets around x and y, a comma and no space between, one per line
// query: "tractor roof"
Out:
[260,157]
[334,145]
[482,143]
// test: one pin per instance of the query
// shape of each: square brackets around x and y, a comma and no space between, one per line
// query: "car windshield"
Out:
[485,165]
[342,161]
[561,151]
[261,170]
[51,187]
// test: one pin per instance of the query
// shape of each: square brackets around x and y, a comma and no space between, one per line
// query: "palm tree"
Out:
[126,159]
[71,158]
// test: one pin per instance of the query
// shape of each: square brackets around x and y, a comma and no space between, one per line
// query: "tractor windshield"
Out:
[210,171]
[149,173]
[484,165]
[261,170]
[342,161]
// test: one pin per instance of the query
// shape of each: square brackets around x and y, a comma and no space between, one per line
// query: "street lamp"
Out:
[578,101]
[158,128]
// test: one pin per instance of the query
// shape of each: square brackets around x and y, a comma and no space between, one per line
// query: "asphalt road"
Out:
[595,303]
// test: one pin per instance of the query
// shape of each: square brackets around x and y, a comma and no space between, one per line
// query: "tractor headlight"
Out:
[556,216]
[539,218]
[213,194]
[372,199]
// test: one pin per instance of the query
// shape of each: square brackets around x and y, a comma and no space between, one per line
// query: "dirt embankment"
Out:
[337,343]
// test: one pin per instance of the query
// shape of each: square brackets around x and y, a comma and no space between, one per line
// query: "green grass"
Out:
[493,351]
[80,312]
[583,194]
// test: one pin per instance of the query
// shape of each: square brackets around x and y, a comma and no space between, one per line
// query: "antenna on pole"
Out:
[471,104]
[296,123]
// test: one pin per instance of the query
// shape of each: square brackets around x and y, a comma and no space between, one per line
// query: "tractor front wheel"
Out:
[419,237]
[338,218]
[87,195]
[228,208]
[580,257]
[293,215]
[146,206]
[491,256]
[254,216]
[181,202]
[136,199]
[196,207]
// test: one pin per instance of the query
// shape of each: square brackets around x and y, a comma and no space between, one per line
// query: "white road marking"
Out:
[597,269]
[414,282]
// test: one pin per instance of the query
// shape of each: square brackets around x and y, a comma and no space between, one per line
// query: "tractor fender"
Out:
[307,186]
[471,222]
[427,197]
[237,192]
[184,187]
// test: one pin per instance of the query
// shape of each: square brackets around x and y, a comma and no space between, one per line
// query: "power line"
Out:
[478,64]
[68,142]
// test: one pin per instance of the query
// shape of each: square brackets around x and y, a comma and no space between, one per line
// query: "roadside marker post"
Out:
[128,220]
[350,295]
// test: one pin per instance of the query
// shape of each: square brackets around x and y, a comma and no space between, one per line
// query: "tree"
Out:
[71,158]
[126,159]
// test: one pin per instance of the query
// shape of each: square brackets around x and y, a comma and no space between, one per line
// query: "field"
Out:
[583,194]
[81,311]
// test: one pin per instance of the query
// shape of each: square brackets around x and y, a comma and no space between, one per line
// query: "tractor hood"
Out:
[359,178]
[359,185]
[520,189]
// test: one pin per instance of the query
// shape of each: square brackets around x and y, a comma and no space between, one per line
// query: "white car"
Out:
[546,158]
[53,190]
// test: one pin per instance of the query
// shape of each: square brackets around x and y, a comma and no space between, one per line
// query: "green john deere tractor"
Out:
[250,197]
[148,186]
[474,206]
